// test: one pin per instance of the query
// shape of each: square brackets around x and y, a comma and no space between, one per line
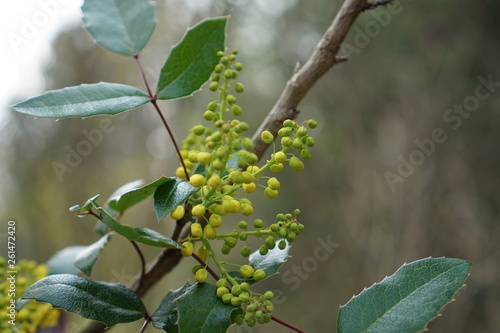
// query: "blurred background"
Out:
[406,163]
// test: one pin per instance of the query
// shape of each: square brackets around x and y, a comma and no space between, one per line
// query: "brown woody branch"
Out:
[323,58]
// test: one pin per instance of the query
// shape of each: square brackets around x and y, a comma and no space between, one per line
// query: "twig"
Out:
[372,5]
[322,59]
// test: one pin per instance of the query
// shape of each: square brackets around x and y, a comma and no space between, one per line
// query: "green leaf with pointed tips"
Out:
[191,62]
[63,261]
[86,259]
[84,101]
[170,195]
[177,309]
[111,303]
[141,235]
[121,26]
[407,300]
[124,199]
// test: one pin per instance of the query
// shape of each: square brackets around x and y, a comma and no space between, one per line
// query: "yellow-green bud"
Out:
[267,137]
[214,181]
[204,157]
[238,66]
[178,212]
[215,220]
[201,275]
[208,115]
[209,231]
[247,271]
[213,86]
[196,230]
[239,88]
[230,99]
[312,123]
[201,252]
[198,210]
[273,183]
[188,249]
[270,193]
[280,157]
[296,164]
[221,291]
[236,110]
[197,180]
[259,275]
[278,167]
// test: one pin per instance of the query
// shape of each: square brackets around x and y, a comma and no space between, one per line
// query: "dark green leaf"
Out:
[194,309]
[141,235]
[62,262]
[191,62]
[123,26]
[84,101]
[407,300]
[165,316]
[125,198]
[170,195]
[86,259]
[111,303]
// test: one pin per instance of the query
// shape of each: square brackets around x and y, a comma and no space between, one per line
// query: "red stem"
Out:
[290,326]
[153,99]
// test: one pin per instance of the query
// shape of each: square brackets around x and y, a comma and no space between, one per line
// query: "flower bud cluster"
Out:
[33,315]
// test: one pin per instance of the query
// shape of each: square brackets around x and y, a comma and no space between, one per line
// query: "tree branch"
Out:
[323,58]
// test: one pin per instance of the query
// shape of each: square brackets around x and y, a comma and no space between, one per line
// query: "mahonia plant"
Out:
[217,171]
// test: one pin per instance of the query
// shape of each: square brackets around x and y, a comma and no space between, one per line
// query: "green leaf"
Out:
[86,259]
[269,263]
[407,300]
[170,195]
[62,262]
[84,101]
[194,309]
[86,207]
[191,62]
[127,196]
[111,303]
[123,26]
[165,316]
[141,235]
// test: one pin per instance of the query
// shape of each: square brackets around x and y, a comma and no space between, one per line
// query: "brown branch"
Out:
[322,59]
[305,76]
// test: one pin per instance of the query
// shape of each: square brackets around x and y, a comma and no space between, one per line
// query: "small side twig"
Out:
[143,262]
[375,4]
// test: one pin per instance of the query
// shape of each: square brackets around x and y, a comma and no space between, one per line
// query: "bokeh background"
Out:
[409,69]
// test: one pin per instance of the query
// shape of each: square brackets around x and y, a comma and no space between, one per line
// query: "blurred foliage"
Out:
[394,91]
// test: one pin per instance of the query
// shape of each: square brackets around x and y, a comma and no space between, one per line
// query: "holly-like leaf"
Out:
[62,262]
[170,195]
[86,259]
[141,235]
[194,309]
[269,263]
[111,303]
[86,207]
[191,62]
[123,26]
[165,316]
[125,198]
[407,300]
[84,101]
